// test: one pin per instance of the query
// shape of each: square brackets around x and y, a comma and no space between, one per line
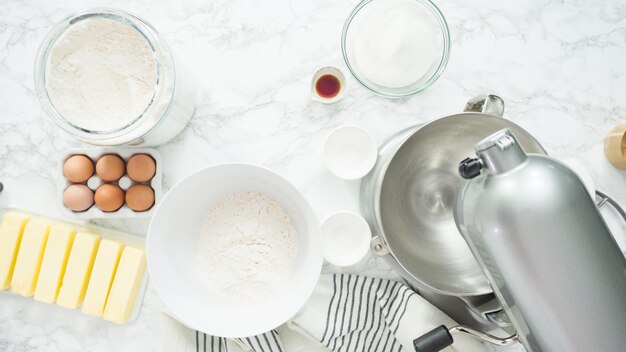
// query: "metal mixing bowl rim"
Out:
[378,185]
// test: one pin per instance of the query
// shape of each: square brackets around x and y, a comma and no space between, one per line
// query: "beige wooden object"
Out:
[615,146]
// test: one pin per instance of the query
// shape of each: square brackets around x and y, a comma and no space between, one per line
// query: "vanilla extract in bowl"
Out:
[328,85]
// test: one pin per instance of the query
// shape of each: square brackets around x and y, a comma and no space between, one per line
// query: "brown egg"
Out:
[140,197]
[110,167]
[78,168]
[141,168]
[109,197]
[78,197]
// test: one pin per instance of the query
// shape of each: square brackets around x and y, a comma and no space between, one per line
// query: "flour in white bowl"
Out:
[246,247]
[101,74]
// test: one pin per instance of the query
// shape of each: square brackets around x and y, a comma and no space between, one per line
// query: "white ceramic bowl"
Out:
[346,238]
[172,238]
[350,152]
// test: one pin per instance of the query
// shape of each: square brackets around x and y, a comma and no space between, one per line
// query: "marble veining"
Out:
[559,65]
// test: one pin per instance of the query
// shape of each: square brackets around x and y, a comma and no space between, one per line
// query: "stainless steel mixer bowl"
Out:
[409,195]
[417,195]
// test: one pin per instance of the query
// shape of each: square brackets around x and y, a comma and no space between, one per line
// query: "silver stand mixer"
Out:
[545,249]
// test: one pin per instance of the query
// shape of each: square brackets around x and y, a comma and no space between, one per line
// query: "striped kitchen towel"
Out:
[179,338]
[346,313]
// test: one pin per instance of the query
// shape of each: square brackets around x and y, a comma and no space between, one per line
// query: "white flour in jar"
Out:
[395,44]
[101,74]
[246,247]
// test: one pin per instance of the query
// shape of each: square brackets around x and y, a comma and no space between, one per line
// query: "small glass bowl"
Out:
[358,19]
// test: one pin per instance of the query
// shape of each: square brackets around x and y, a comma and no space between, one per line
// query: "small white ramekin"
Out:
[346,238]
[350,152]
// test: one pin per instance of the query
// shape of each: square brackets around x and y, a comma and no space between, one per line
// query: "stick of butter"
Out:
[78,270]
[102,275]
[11,232]
[53,264]
[128,278]
[29,257]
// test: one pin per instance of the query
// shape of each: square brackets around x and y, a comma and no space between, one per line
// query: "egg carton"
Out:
[125,182]
[104,233]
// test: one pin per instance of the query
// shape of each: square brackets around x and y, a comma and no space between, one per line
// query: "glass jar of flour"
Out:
[108,78]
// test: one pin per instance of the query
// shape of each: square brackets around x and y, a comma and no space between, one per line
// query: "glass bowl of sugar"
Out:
[396,48]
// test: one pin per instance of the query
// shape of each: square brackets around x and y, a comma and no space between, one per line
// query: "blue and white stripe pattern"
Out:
[268,342]
[362,314]
[345,313]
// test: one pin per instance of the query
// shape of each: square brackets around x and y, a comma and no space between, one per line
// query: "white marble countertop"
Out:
[559,65]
